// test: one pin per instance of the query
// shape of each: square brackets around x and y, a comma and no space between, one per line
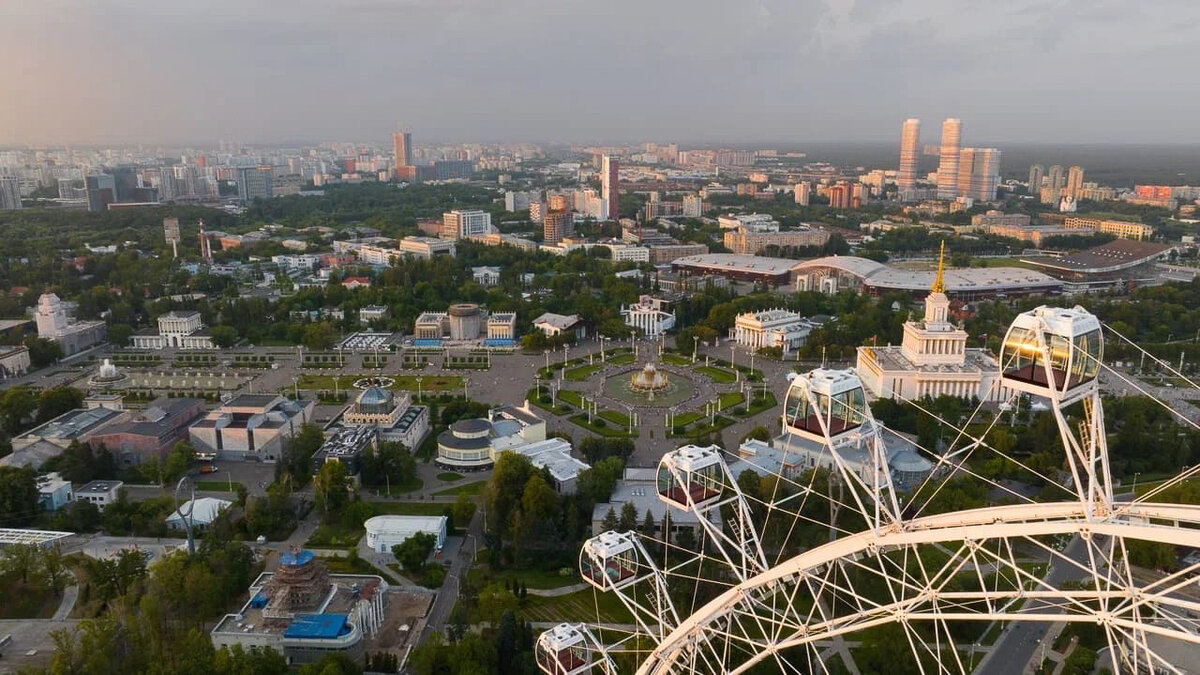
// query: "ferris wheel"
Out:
[756,589]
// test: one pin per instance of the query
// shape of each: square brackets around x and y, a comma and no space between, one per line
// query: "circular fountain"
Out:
[108,377]
[648,380]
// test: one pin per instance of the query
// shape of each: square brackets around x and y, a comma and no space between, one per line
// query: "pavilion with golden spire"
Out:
[932,359]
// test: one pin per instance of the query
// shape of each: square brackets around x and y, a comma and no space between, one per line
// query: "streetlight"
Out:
[1135,477]
[695,347]
[632,345]
[466,382]
[733,362]
[419,389]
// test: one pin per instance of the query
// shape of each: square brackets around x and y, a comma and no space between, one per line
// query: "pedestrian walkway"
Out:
[70,595]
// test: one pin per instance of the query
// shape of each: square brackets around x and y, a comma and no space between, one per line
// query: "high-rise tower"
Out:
[1035,179]
[947,173]
[610,192]
[1074,181]
[910,136]
[402,148]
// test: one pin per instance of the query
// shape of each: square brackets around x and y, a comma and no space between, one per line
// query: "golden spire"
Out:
[938,285]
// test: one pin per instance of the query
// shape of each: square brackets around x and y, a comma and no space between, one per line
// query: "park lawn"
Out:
[541,579]
[469,489]
[718,375]
[582,373]
[532,397]
[687,418]
[618,418]
[571,396]
[767,403]
[730,399]
[607,430]
[26,600]
[620,360]
[335,535]
[676,360]
[340,565]
[413,485]
[449,476]
[216,486]
[720,424]
[586,605]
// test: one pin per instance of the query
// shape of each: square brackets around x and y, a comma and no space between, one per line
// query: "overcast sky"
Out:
[108,71]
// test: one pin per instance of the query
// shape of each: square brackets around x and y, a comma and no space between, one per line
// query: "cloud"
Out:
[699,70]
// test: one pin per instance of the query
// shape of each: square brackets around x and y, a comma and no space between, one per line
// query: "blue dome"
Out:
[375,396]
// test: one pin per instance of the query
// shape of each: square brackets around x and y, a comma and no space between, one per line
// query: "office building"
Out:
[906,179]
[1074,182]
[802,193]
[453,169]
[402,148]
[752,243]
[465,224]
[609,188]
[1036,172]
[1120,228]
[254,182]
[55,324]
[947,173]
[556,226]
[521,201]
[978,173]
[100,493]
[426,247]
[101,191]
[10,193]
[693,206]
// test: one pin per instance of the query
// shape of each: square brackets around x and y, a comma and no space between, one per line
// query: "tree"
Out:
[178,461]
[298,453]
[505,488]
[237,661]
[119,334]
[648,525]
[18,494]
[412,553]
[329,486]
[462,511]
[319,336]
[494,601]
[56,401]
[759,433]
[628,520]
[53,569]
[610,521]
[336,663]
[20,560]
[16,405]
[42,352]
[224,336]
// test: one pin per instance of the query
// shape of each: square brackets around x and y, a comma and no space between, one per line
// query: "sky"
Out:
[691,71]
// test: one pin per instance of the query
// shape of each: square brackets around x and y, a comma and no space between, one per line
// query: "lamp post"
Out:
[633,346]
[419,389]
[733,362]
[1135,477]
[695,347]
[466,382]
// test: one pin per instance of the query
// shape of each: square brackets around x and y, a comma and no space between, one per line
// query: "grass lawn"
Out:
[340,565]
[449,476]
[413,485]
[571,396]
[583,372]
[25,601]
[687,418]
[586,605]
[764,404]
[730,399]
[618,418]
[718,375]
[608,430]
[480,577]
[677,360]
[696,432]
[469,489]
[532,397]
[216,486]
[620,360]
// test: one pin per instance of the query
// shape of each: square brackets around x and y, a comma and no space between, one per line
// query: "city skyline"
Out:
[121,71]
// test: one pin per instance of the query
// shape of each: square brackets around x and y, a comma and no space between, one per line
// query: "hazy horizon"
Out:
[134,72]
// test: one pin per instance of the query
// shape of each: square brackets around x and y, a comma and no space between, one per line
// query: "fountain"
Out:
[108,377]
[648,381]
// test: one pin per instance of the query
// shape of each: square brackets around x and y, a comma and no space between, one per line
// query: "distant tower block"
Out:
[171,233]
[205,244]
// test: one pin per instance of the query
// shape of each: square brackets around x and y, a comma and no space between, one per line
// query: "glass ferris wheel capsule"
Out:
[1052,352]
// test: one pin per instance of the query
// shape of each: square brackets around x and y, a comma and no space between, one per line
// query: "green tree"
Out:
[119,334]
[16,405]
[178,461]
[337,663]
[224,336]
[610,521]
[412,553]
[20,560]
[628,520]
[18,494]
[319,336]
[758,433]
[297,454]
[237,661]
[42,352]
[329,487]
[53,569]
[462,511]
[494,601]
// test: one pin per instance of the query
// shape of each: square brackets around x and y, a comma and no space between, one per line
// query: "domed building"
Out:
[392,413]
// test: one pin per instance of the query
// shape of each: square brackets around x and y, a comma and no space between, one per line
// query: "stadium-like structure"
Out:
[740,599]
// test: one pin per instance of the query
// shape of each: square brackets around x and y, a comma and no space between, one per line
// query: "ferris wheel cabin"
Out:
[824,400]
[609,560]
[1052,352]
[563,650]
[691,475]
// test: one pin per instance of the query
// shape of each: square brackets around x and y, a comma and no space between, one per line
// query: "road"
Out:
[1018,643]
[447,595]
